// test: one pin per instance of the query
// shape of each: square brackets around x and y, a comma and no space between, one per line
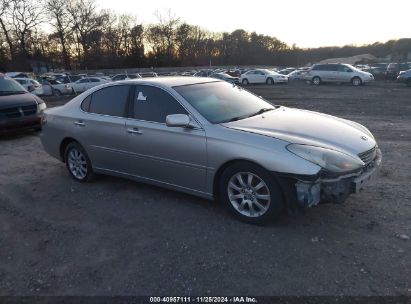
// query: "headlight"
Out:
[41,107]
[331,160]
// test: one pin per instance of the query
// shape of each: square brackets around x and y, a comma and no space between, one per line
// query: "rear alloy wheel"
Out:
[270,81]
[245,81]
[250,193]
[78,163]
[316,80]
[356,81]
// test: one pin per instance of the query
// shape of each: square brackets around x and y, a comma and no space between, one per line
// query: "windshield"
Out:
[222,102]
[9,86]
[352,67]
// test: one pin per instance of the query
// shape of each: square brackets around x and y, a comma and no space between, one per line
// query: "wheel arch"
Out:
[358,77]
[316,76]
[63,145]
[220,170]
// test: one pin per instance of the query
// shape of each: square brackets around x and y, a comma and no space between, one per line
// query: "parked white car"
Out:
[86,83]
[297,75]
[262,76]
[337,72]
[31,85]
[56,88]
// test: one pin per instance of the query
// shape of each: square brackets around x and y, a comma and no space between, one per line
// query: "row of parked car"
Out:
[330,72]
[65,84]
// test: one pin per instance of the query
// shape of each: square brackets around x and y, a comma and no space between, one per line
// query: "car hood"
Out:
[309,128]
[17,100]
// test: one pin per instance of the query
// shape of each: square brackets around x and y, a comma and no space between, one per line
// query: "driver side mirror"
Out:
[179,120]
[30,88]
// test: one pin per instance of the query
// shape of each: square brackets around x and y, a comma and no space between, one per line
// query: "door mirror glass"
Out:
[178,120]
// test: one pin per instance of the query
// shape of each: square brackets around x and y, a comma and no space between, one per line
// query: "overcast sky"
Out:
[308,23]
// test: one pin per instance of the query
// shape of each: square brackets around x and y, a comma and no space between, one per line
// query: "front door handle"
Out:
[80,123]
[134,131]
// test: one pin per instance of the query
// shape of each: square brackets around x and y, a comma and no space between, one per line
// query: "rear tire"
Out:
[316,80]
[250,193]
[356,81]
[245,81]
[56,93]
[78,163]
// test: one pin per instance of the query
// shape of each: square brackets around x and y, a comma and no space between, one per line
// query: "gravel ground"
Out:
[117,237]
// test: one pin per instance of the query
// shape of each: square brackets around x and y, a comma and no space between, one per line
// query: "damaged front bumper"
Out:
[335,189]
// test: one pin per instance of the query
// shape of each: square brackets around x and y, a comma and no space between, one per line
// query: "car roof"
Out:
[170,81]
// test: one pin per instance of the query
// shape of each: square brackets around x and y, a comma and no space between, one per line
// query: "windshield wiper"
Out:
[261,111]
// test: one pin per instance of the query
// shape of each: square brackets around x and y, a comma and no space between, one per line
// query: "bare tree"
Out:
[61,23]
[26,15]
[5,11]
[162,35]
[87,25]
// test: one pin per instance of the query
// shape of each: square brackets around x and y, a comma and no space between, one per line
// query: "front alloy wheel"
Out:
[356,81]
[316,80]
[78,164]
[250,193]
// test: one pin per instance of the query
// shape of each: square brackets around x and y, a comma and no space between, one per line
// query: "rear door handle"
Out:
[80,123]
[134,131]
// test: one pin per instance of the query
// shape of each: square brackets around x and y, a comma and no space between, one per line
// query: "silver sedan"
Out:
[212,139]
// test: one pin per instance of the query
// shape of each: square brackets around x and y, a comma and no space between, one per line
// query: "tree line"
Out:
[75,34]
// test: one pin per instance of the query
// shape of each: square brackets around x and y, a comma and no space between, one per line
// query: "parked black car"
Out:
[19,109]
[225,77]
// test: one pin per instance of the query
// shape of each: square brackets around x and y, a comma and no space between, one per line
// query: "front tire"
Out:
[270,81]
[356,81]
[245,81]
[78,163]
[316,80]
[250,193]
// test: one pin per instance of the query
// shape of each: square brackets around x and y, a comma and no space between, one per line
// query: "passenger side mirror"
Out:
[179,120]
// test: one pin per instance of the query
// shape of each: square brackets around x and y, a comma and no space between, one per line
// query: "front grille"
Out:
[16,112]
[11,112]
[29,110]
[368,156]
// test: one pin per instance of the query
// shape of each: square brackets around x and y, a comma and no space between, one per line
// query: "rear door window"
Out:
[109,101]
[331,67]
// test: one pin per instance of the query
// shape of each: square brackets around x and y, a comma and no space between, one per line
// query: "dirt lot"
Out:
[117,237]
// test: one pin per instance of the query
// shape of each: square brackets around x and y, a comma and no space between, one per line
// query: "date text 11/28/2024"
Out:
[203,300]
